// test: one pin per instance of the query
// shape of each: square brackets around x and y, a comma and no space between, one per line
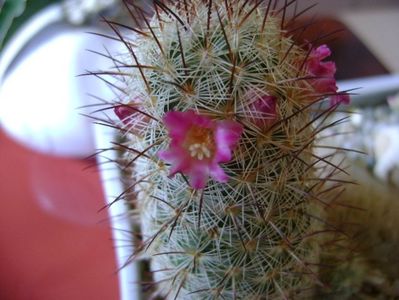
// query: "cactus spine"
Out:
[255,233]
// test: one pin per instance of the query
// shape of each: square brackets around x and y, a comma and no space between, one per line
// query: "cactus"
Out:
[220,115]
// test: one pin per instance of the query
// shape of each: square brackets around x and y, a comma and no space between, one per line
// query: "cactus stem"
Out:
[242,7]
[168,11]
[128,27]
[252,228]
[109,83]
[153,33]
[208,23]
[284,10]
[287,52]
[108,56]
[303,11]
[231,54]
[175,219]
[133,16]
[132,150]
[201,203]
[131,51]
[328,35]
[181,48]
[250,13]
[231,81]
[126,191]
[99,73]
[187,11]
[267,10]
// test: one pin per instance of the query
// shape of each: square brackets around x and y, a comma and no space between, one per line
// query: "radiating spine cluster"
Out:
[220,116]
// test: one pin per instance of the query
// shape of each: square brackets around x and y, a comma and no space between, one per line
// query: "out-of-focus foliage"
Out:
[13,13]
[10,9]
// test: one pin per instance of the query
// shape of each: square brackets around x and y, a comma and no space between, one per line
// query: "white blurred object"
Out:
[40,106]
[77,11]
[119,212]
[393,102]
[40,93]
[370,90]
[386,150]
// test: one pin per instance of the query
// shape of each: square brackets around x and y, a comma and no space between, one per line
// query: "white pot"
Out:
[129,276]
[40,106]
[41,95]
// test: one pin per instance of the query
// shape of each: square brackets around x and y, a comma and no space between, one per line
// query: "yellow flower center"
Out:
[199,151]
[200,143]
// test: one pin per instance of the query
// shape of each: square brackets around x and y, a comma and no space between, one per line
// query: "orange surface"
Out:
[53,242]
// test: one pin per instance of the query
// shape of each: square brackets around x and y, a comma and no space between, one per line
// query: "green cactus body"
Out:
[256,235]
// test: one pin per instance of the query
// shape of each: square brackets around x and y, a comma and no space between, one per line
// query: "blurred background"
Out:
[54,242]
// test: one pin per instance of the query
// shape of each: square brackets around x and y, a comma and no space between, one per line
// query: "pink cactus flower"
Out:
[131,115]
[263,111]
[198,145]
[324,71]
[340,99]
[125,113]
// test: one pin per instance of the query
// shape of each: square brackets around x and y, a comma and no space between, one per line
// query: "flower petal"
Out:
[321,52]
[198,144]
[198,176]
[324,73]
[227,135]
[263,111]
[125,113]
[339,99]
[178,124]
[176,157]
[218,173]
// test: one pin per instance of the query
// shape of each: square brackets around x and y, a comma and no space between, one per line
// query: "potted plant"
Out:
[229,188]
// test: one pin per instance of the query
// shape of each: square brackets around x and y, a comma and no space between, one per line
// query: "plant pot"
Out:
[120,223]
